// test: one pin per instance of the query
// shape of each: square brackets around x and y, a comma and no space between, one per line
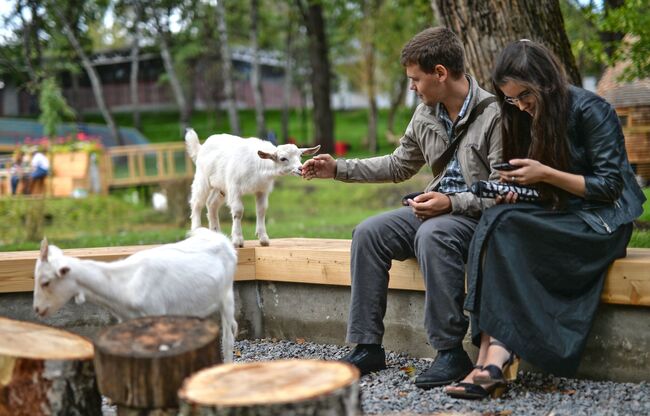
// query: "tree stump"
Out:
[46,371]
[142,363]
[283,387]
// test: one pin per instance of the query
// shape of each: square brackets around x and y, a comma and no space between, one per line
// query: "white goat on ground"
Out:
[192,277]
[228,167]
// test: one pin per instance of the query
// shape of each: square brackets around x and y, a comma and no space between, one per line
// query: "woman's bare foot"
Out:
[497,356]
[468,379]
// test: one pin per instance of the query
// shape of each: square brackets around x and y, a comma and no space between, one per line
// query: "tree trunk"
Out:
[485,27]
[256,75]
[135,66]
[323,119]
[28,36]
[283,387]
[173,80]
[94,78]
[76,98]
[142,363]
[226,66]
[396,99]
[45,371]
[287,80]
[370,9]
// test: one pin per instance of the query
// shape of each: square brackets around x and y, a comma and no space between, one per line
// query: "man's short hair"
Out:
[435,46]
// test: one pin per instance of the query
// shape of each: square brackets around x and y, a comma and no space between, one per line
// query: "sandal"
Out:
[507,372]
[471,391]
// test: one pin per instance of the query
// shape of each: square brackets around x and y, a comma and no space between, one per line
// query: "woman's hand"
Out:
[509,198]
[531,172]
[528,172]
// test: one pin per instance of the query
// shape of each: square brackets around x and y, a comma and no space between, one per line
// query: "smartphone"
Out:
[406,197]
[504,166]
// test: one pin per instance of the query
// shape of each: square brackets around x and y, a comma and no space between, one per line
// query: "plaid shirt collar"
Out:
[444,115]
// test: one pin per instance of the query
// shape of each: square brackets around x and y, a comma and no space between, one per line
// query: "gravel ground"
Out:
[392,392]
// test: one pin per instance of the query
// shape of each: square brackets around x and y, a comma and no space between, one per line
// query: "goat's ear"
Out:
[63,271]
[265,155]
[310,150]
[44,249]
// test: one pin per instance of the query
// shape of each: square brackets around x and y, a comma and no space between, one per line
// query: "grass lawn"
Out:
[297,208]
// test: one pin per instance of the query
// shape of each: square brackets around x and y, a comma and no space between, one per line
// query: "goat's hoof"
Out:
[264,243]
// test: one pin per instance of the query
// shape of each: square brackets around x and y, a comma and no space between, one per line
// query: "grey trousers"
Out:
[440,245]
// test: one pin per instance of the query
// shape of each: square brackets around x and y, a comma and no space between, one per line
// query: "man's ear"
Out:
[441,71]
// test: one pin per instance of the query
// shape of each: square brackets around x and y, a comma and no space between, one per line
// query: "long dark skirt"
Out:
[535,278]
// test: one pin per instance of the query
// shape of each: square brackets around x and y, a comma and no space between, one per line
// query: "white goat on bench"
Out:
[192,277]
[228,167]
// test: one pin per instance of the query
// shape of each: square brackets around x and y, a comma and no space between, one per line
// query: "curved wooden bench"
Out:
[326,261]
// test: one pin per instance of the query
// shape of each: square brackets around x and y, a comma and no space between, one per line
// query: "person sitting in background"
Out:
[17,172]
[536,270]
[40,168]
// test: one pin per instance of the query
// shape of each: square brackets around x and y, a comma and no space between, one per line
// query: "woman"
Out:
[536,271]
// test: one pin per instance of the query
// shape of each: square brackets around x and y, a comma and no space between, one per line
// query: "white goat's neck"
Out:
[104,284]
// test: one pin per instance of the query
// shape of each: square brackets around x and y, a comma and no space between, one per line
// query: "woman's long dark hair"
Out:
[544,136]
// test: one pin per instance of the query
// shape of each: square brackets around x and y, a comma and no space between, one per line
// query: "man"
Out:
[40,168]
[454,131]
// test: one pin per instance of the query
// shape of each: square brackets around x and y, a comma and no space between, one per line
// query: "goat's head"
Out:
[53,288]
[287,158]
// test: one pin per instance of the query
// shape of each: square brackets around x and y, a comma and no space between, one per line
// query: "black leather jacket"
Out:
[597,146]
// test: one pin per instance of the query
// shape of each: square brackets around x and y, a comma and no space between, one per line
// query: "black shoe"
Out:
[367,358]
[449,366]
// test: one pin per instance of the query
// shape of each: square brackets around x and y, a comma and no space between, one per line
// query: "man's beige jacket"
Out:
[424,142]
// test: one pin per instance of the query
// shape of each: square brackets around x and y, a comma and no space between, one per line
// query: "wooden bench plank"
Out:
[628,279]
[327,261]
[17,267]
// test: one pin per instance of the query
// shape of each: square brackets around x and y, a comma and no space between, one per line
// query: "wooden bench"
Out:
[327,262]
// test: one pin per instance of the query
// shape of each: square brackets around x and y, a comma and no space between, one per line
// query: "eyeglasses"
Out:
[520,97]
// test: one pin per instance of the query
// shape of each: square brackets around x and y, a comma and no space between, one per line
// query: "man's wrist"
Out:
[449,207]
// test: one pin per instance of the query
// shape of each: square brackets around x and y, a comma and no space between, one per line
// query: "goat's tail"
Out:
[192,144]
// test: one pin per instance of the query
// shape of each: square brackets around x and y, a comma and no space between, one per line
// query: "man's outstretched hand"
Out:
[320,166]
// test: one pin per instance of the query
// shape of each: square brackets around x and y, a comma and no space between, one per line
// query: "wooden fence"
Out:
[118,167]
[146,164]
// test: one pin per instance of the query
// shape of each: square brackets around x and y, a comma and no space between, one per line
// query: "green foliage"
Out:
[53,106]
[585,24]
[395,22]
[633,19]
[583,34]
